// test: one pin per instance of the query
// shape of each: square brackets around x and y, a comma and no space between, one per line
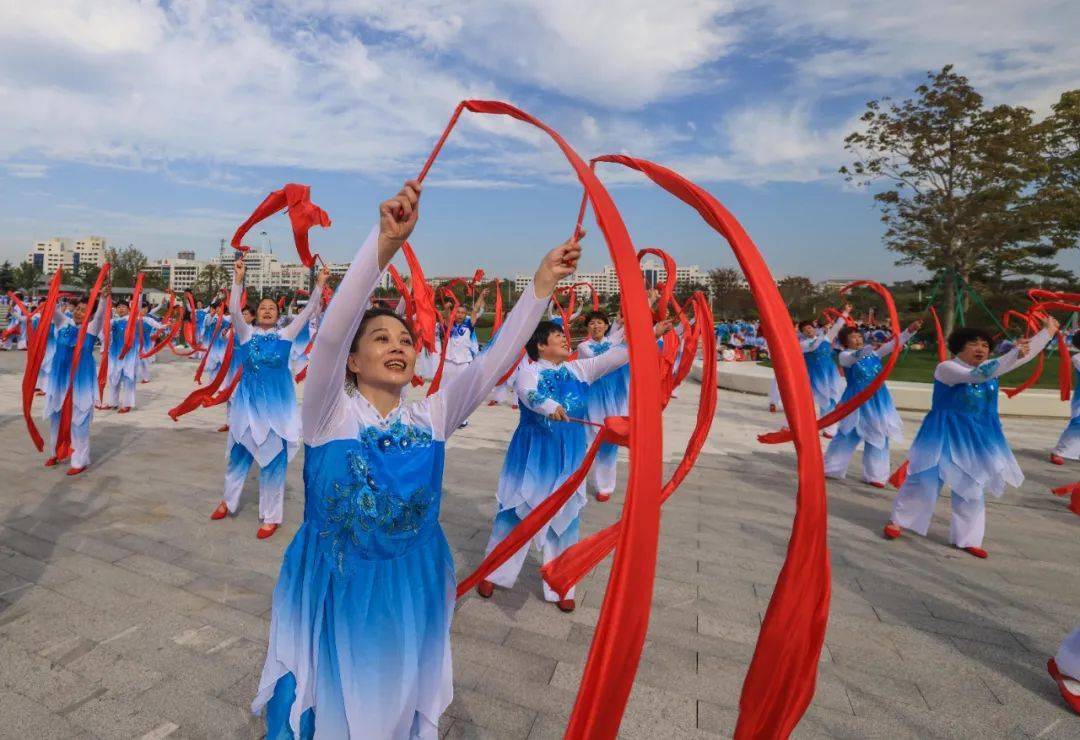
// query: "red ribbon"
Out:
[63,435]
[780,682]
[843,409]
[942,348]
[35,356]
[497,322]
[667,288]
[199,396]
[1073,490]
[134,316]
[620,633]
[303,214]
[106,340]
[1064,367]
[567,570]
[447,323]
[170,335]
[1033,327]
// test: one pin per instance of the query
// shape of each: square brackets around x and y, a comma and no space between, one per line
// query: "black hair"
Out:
[1076,339]
[540,335]
[802,324]
[965,334]
[597,315]
[846,332]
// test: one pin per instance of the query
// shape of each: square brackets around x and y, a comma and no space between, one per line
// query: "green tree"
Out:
[7,277]
[27,277]
[800,295]
[211,280]
[727,283]
[958,178]
[1058,194]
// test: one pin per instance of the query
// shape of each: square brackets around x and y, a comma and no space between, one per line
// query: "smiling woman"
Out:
[360,628]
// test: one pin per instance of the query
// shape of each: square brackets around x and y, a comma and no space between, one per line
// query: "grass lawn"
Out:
[918,367]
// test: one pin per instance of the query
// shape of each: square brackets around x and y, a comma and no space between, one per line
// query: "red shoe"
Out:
[772,408]
[266,530]
[514,407]
[485,588]
[223,428]
[51,462]
[144,381]
[602,497]
[566,605]
[493,403]
[876,484]
[124,410]
[1057,459]
[891,531]
[976,551]
[827,435]
[1073,700]
[220,512]
[39,393]
[76,471]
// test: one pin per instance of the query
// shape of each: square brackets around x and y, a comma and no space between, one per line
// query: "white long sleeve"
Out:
[324,392]
[886,348]
[294,327]
[241,328]
[809,345]
[591,369]
[453,403]
[955,371]
[98,319]
[527,384]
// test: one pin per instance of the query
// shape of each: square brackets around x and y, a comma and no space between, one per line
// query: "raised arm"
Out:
[294,327]
[241,327]
[98,319]
[591,369]
[324,391]
[453,404]
[58,317]
[953,372]
[478,306]
[905,337]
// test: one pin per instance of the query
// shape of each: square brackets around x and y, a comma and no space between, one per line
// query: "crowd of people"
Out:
[359,642]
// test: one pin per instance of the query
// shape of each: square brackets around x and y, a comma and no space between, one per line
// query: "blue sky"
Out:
[164,125]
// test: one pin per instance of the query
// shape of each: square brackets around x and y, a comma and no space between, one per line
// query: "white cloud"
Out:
[27,171]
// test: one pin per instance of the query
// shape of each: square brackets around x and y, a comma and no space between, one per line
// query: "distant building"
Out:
[186,255]
[178,274]
[63,252]
[834,283]
[606,282]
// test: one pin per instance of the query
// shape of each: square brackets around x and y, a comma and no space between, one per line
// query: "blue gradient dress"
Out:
[1068,445]
[359,642]
[826,382]
[608,396]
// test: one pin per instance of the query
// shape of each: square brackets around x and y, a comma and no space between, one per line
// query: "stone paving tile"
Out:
[125,612]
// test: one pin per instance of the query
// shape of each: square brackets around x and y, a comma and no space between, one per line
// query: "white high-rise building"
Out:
[179,274]
[606,282]
[63,252]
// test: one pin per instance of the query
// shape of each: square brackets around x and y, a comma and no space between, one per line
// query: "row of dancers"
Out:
[359,638]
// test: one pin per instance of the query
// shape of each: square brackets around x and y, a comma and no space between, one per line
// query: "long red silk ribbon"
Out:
[303,215]
[134,316]
[620,633]
[843,409]
[780,682]
[939,335]
[1072,490]
[1064,367]
[497,322]
[170,333]
[667,288]
[219,323]
[197,397]
[423,300]
[447,323]
[35,356]
[63,435]
[106,340]
[567,570]
[1032,327]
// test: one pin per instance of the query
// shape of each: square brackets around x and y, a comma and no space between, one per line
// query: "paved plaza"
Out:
[126,613]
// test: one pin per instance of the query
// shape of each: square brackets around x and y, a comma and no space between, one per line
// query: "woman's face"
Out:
[79,313]
[459,313]
[384,355]
[597,328]
[809,331]
[975,352]
[557,348]
[266,315]
[855,340]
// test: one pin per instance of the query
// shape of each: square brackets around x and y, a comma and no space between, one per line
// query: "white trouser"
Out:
[1068,445]
[122,393]
[271,483]
[553,546]
[875,461]
[1068,655]
[914,508]
[602,472]
[80,438]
